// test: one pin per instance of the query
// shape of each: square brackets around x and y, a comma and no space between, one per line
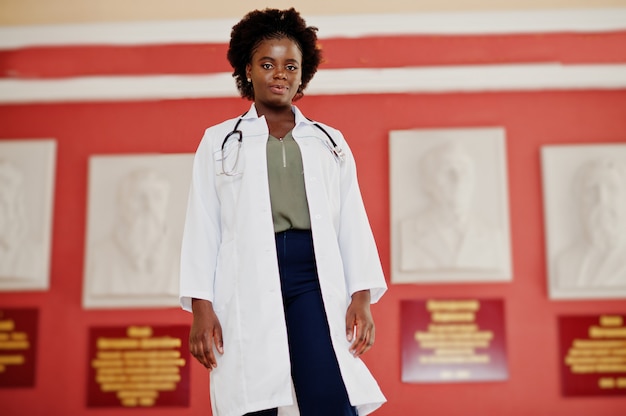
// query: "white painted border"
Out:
[443,79]
[352,26]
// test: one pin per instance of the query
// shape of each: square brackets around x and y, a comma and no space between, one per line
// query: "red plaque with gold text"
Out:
[593,355]
[138,366]
[18,345]
[453,340]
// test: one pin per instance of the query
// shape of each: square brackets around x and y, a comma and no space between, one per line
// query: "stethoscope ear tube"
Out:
[235,131]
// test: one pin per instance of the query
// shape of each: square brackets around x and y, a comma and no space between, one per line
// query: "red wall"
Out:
[531,119]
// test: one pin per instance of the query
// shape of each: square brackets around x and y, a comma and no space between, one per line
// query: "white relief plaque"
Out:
[584,188]
[27,172]
[449,205]
[136,213]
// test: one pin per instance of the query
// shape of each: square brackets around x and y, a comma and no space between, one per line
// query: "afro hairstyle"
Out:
[260,25]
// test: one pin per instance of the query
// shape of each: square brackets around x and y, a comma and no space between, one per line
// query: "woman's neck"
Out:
[279,120]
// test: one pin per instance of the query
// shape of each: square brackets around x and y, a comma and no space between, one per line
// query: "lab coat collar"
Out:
[300,118]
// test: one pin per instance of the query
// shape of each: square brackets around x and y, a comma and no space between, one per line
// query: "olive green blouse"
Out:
[286,179]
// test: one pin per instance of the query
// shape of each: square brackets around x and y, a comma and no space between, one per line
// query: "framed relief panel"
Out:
[27,172]
[449,206]
[135,218]
[584,193]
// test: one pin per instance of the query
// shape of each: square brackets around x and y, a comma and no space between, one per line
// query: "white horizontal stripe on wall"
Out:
[444,79]
[353,26]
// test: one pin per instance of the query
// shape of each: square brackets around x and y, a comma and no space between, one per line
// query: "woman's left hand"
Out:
[360,328]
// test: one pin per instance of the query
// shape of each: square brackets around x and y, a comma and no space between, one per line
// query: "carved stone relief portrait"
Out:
[27,172]
[135,219]
[585,211]
[449,208]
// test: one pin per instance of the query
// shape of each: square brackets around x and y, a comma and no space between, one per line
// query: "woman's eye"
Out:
[292,68]
[267,66]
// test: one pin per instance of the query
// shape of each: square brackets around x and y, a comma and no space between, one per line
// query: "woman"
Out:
[279,265]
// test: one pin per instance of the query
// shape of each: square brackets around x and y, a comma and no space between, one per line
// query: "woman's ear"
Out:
[248,72]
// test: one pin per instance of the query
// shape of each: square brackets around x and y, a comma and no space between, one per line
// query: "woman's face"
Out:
[276,72]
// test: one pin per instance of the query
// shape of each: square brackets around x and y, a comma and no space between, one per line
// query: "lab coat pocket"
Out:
[229,159]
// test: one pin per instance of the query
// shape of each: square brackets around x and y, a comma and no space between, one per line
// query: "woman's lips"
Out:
[278,89]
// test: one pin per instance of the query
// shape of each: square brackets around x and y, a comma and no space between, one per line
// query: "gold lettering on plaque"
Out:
[453,336]
[7,325]
[139,366]
[604,352]
[11,340]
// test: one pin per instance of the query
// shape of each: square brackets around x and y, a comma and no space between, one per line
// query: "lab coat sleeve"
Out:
[202,231]
[359,253]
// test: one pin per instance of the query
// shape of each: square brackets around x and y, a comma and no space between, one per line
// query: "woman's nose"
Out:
[279,72]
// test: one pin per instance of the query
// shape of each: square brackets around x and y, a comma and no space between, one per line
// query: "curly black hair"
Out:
[260,25]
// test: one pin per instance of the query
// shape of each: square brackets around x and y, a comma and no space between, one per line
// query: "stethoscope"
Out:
[337,151]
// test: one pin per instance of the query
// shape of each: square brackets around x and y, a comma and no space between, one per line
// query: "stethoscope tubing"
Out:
[336,149]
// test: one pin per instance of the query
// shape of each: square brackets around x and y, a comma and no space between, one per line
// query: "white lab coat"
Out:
[229,257]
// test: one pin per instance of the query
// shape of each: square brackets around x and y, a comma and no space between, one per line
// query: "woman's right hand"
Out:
[206,333]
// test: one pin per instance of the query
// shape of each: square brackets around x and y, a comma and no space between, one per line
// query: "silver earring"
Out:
[249,80]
